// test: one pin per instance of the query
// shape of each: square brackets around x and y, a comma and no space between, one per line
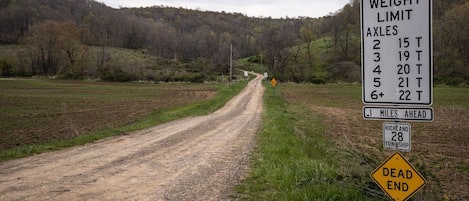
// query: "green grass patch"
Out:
[463,167]
[295,161]
[329,95]
[452,97]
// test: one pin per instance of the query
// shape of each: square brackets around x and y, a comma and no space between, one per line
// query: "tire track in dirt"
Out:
[198,158]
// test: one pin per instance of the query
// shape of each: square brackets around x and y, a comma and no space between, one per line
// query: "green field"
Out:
[37,115]
[315,145]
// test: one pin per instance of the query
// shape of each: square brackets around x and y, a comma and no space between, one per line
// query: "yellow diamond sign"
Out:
[398,178]
[273,82]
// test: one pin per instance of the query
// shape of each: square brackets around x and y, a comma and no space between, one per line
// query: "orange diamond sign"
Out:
[273,82]
[398,178]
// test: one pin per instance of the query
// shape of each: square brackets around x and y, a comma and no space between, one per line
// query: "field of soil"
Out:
[38,111]
[196,158]
[439,149]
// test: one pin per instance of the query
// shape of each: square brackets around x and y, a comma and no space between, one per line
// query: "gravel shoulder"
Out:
[197,158]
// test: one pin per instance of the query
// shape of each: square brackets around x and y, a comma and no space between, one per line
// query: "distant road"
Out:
[198,158]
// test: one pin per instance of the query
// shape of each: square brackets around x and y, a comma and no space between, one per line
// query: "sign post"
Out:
[397,78]
[274,84]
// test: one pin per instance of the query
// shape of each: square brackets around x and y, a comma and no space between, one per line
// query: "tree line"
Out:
[72,38]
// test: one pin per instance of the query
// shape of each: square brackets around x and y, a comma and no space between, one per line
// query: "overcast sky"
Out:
[253,8]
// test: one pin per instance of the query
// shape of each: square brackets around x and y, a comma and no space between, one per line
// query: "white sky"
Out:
[253,8]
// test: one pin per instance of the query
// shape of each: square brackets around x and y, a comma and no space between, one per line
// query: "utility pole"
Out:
[222,74]
[231,63]
[261,64]
[175,61]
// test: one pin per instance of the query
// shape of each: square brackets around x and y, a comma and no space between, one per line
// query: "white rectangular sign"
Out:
[397,136]
[398,113]
[397,63]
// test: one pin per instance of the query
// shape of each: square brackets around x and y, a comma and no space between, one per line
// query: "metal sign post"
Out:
[397,77]
[274,84]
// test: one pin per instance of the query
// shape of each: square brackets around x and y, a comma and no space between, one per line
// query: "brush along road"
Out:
[198,158]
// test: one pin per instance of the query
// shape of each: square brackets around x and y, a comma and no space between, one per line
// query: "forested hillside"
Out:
[85,39]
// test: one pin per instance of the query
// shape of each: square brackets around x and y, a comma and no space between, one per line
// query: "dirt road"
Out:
[198,158]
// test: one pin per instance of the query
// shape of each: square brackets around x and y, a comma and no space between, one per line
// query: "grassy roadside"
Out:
[160,116]
[295,161]
[315,145]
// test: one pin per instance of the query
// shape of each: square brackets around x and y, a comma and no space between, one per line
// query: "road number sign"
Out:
[397,64]
[398,178]
[398,113]
[396,136]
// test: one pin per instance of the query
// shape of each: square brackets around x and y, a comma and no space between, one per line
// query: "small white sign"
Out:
[397,136]
[398,113]
[266,75]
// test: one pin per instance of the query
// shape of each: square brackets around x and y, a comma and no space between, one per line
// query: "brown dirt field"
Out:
[439,149]
[198,158]
[39,111]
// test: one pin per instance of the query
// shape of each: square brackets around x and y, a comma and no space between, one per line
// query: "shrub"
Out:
[116,75]
[345,71]
[5,69]
[318,80]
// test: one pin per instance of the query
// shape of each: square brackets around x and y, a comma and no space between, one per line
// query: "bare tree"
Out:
[277,38]
[307,34]
[49,41]
[44,40]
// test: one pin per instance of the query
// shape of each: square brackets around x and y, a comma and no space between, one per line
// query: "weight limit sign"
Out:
[397,64]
